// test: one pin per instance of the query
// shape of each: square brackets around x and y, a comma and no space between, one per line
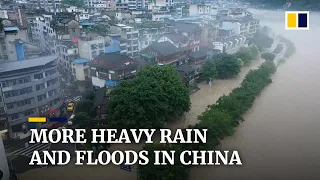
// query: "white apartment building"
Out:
[68,51]
[42,34]
[131,35]
[91,45]
[246,27]
[149,32]
[96,5]
[48,5]
[80,69]
[199,9]
[8,40]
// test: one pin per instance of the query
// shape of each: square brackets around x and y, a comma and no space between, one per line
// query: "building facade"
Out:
[91,45]
[131,35]
[29,88]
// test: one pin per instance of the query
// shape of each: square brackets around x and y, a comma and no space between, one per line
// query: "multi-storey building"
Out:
[107,70]
[96,5]
[11,37]
[68,51]
[149,32]
[43,34]
[29,88]
[80,69]
[245,26]
[131,35]
[122,4]
[199,9]
[91,45]
[48,5]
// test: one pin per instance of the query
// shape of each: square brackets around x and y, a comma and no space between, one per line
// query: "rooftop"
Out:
[24,64]
[163,48]
[81,60]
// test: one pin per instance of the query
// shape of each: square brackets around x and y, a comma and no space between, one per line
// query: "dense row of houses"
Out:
[94,48]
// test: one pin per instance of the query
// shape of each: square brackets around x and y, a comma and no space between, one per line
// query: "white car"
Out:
[70,120]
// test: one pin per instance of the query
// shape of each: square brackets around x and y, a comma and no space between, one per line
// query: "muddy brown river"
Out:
[280,138]
[281,135]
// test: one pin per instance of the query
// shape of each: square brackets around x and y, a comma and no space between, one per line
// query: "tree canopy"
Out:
[169,172]
[154,96]
[85,105]
[89,95]
[82,119]
[262,39]
[268,56]
[227,65]
[209,70]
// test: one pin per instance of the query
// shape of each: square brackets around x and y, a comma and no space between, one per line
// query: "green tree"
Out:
[245,55]
[209,70]
[154,96]
[85,105]
[268,56]
[178,171]
[82,119]
[227,65]
[261,40]
[89,95]
[254,50]
[220,122]
[78,3]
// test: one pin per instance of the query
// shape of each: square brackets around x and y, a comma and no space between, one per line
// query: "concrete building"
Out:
[96,5]
[149,32]
[122,4]
[80,69]
[68,51]
[245,26]
[108,69]
[10,40]
[161,16]
[29,88]
[131,35]
[43,34]
[91,45]
[199,9]
[48,5]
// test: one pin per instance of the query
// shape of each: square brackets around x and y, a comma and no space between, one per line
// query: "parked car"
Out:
[70,107]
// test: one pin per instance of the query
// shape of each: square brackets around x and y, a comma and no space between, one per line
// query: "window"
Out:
[15,116]
[40,86]
[24,102]
[38,76]
[25,90]
[29,112]
[10,105]
[50,72]
[2,110]
[51,93]
[52,82]
[42,97]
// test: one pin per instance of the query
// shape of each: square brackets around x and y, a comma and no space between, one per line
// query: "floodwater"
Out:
[278,140]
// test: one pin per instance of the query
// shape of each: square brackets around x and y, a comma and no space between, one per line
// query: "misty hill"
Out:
[305,5]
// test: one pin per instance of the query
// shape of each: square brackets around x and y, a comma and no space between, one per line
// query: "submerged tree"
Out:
[227,65]
[154,96]
[209,70]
